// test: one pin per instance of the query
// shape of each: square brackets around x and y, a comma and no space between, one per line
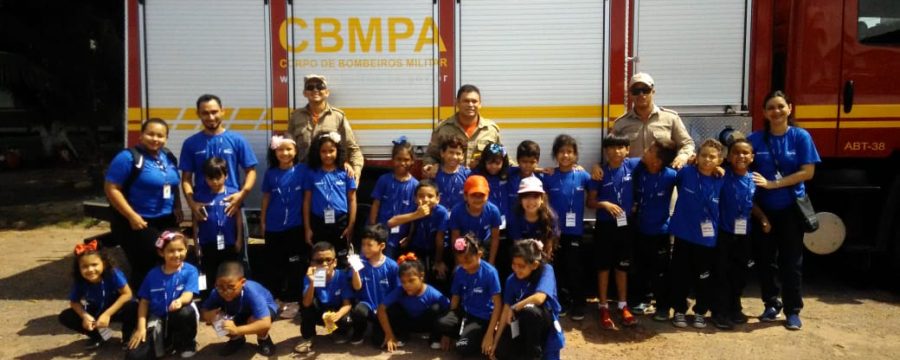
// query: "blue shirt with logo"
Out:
[426,228]
[736,200]
[145,194]
[285,189]
[698,201]
[477,290]
[450,186]
[377,282]
[567,193]
[217,221]
[336,290]
[616,187]
[518,289]
[416,305]
[329,189]
[396,197]
[229,145]
[160,289]
[793,149]
[654,195]
[98,297]
[254,300]
[480,225]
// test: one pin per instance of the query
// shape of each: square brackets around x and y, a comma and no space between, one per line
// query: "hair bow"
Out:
[460,244]
[278,140]
[83,248]
[400,140]
[408,257]
[538,244]
[496,148]
[166,237]
[333,135]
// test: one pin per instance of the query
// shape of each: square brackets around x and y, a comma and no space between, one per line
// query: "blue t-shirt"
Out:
[255,300]
[161,289]
[217,221]
[98,297]
[476,290]
[397,197]
[145,195]
[514,178]
[450,186]
[793,149]
[698,201]
[329,188]
[285,189]
[654,195]
[481,225]
[229,145]
[417,305]
[520,228]
[736,200]
[567,192]
[498,196]
[336,290]
[616,187]
[377,282]
[517,289]
[426,228]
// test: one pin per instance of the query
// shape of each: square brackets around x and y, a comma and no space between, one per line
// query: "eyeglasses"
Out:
[323,261]
[226,290]
[640,90]
[316,86]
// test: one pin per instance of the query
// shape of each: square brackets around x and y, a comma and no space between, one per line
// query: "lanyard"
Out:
[174,287]
[569,179]
[285,190]
[740,198]
[220,215]
[704,199]
[240,303]
[622,173]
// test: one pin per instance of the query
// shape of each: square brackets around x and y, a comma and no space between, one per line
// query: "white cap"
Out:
[310,77]
[531,184]
[641,78]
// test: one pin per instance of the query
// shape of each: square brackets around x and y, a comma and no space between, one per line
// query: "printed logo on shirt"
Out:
[338,292]
[579,188]
[157,289]
[477,290]
[689,191]
[179,288]
[627,177]
[339,183]
[199,152]
[384,282]
[227,151]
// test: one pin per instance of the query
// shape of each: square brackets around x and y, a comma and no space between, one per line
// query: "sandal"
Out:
[304,347]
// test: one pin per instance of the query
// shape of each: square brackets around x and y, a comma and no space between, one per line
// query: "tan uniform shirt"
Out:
[301,128]
[663,123]
[487,132]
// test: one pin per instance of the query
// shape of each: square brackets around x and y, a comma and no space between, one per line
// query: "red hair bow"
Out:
[83,248]
[408,257]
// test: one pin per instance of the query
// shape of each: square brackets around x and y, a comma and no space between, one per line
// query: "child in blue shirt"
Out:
[167,317]
[281,221]
[429,225]
[532,216]
[220,235]
[493,164]
[566,188]
[475,303]
[733,247]
[613,197]
[530,308]
[378,277]
[327,304]
[329,203]
[100,295]
[528,153]
[654,182]
[239,307]
[694,225]
[394,194]
[414,307]
[477,216]
[452,174]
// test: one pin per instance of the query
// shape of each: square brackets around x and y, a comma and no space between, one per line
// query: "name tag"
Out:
[514,328]
[319,278]
[167,191]
[220,241]
[329,215]
[502,222]
[740,226]
[570,219]
[201,282]
[706,228]
[105,333]
[778,175]
[621,220]
[395,230]
[219,324]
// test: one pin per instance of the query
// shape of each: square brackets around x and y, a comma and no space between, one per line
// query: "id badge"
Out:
[395,230]
[167,191]
[201,282]
[329,215]
[621,220]
[514,328]
[105,333]
[220,241]
[778,175]
[740,226]
[706,227]
[502,222]
[355,262]
[219,325]
[570,219]
[319,278]
[462,325]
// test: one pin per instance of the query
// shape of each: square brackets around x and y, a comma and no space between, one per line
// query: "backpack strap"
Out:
[137,166]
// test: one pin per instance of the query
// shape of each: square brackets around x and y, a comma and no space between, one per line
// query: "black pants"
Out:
[179,334]
[361,316]
[468,330]
[535,323]
[504,257]
[691,267]
[572,258]
[730,267]
[127,315]
[648,279]
[140,245]
[331,233]
[428,259]
[212,258]
[287,258]
[402,324]
[780,253]
[312,315]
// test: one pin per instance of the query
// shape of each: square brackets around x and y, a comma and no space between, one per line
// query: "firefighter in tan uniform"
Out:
[466,123]
[318,117]
[646,122]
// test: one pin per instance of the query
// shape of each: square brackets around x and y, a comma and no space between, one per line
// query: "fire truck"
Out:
[544,67]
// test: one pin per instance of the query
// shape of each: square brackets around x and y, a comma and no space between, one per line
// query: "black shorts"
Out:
[612,246]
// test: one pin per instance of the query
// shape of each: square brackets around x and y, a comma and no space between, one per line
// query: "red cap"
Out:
[476,184]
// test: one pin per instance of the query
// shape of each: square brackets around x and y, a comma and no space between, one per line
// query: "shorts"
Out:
[612,246]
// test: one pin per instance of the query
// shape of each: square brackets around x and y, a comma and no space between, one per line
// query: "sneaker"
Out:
[679,320]
[265,346]
[93,344]
[357,339]
[642,309]
[627,318]
[304,347]
[738,318]
[793,322]
[436,345]
[578,313]
[233,346]
[770,314]
[606,321]
[188,352]
[661,315]
[722,322]
[699,321]
[289,310]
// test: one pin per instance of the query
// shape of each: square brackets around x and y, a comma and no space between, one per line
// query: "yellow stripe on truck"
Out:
[859,111]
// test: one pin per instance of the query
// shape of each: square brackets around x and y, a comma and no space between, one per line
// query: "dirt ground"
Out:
[841,320]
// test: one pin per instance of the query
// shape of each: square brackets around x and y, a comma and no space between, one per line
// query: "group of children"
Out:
[463,232]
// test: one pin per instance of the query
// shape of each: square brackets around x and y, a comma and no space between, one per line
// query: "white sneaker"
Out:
[289,310]
[187,354]
[699,321]
[436,345]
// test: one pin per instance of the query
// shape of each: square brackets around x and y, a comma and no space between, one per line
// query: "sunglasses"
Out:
[323,261]
[316,86]
[640,90]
